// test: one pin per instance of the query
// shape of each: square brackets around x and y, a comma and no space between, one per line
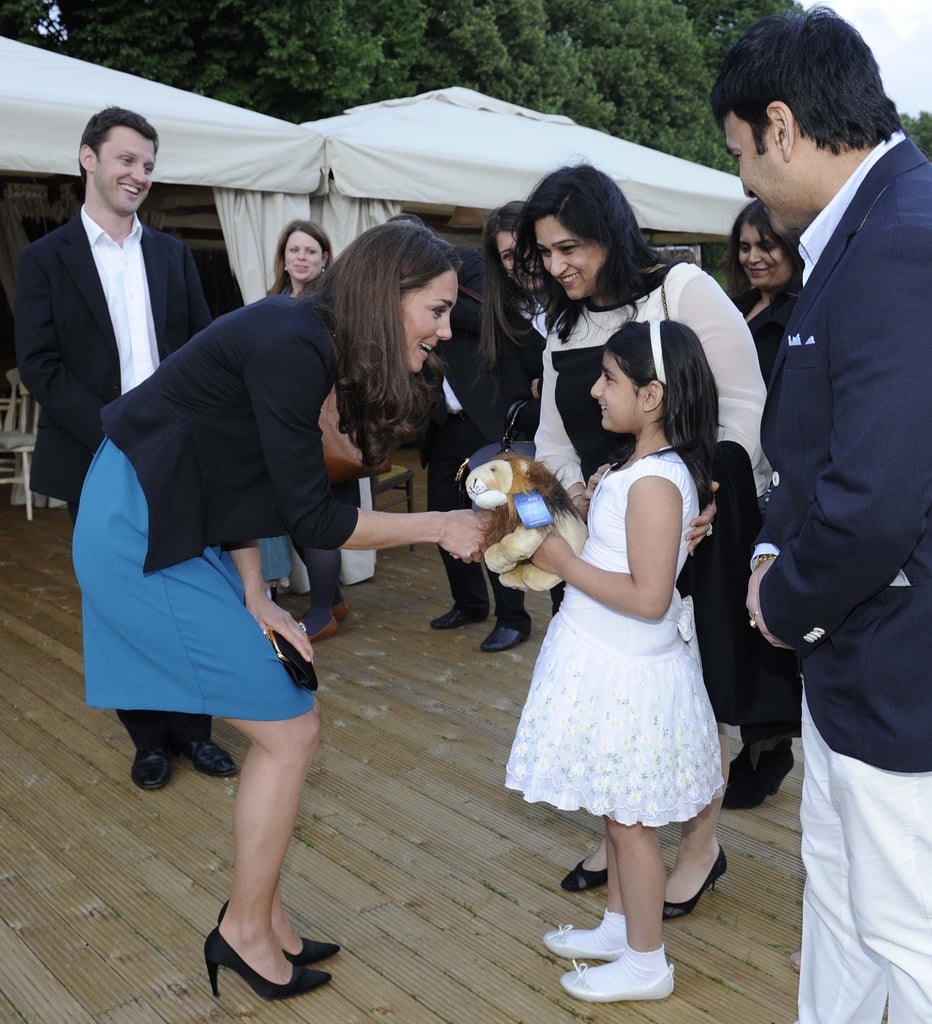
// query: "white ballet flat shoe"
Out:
[564,942]
[580,987]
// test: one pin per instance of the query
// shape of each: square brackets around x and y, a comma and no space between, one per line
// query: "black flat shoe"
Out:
[454,618]
[219,953]
[207,757]
[581,878]
[682,909]
[151,768]
[749,787]
[311,951]
[502,639]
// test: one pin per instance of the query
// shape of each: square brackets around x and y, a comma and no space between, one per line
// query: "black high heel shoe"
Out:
[311,950]
[582,878]
[682,909]
[219,953]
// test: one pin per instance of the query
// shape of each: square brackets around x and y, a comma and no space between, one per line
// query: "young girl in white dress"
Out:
[617,720]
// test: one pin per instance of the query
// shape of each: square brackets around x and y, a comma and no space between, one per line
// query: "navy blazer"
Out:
[66,348]
[847,428]
[224,436]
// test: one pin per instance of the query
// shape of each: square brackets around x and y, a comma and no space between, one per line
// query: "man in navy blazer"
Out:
[99,303]
[842,571]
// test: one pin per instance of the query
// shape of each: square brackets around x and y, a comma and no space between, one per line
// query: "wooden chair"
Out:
[18,437]
[397,479]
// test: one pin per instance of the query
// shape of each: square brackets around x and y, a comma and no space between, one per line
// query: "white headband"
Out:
[657,351]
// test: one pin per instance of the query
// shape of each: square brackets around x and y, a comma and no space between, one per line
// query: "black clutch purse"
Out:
[301,671]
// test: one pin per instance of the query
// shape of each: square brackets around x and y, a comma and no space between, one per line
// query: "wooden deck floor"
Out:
[436,880]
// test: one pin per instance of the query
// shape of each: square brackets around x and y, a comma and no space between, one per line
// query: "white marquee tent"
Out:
[259,168]
[456,147]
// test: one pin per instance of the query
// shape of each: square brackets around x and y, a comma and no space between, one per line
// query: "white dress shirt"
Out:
[122,273]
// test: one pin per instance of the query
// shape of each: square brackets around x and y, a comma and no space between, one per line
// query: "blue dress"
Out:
[176,639]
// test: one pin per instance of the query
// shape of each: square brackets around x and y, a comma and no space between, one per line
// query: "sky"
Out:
[900,34]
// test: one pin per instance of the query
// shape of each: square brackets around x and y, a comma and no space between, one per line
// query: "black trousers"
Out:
[450,444]
[148,729]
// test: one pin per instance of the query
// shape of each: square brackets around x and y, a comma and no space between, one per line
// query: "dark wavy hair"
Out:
[820,67]
[690,397]
[756,216]
[381,402]
[97,130]
[282,284]
[504,300]
[590,205]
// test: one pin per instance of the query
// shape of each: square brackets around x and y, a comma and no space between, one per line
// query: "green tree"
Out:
[718,24]
[290,59]
[920,129]
[638,69]
[647,69]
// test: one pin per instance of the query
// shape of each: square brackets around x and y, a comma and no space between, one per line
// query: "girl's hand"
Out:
[701,526]
[270,616]
[463,534]
[553,554]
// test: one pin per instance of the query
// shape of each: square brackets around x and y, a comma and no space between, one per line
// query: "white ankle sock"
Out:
[630,971]
[613,930]
[611,934]
[646,966]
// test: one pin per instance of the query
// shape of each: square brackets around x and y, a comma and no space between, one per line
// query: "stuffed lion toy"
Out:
[492,487]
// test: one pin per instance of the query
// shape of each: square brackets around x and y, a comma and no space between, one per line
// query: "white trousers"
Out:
[867,907]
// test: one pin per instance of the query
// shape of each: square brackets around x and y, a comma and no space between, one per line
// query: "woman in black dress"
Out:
[764,276]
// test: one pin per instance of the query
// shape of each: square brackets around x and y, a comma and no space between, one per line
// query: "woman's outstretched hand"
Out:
[463,534]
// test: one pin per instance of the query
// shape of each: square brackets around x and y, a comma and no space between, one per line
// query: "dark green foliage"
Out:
[638,69]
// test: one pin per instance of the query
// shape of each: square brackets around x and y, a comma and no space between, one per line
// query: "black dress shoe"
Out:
[502,639]
[151,768]
[688,906]
[581,878]
[454,618]
[311,949]
[748,787]
[208,758]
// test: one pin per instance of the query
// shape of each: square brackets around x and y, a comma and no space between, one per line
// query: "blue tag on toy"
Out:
[532,510]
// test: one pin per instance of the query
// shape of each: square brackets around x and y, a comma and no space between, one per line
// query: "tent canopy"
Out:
[260,169]
[458,147]
[47,98]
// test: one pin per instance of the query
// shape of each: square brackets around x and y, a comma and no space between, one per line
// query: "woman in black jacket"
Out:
[219,446]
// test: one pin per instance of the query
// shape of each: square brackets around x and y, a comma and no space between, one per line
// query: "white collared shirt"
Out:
[815,238]
[122,273]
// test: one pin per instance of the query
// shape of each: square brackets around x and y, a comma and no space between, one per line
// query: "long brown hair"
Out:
[382,403]
[282,285]
[504,300]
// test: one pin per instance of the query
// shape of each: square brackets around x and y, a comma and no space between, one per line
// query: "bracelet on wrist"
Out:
[761,559]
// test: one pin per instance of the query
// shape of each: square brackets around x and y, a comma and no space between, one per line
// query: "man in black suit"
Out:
[842,567]
[99,302]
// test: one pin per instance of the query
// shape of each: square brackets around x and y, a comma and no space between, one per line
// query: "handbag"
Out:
[301,671]
[507,446]
[342,457]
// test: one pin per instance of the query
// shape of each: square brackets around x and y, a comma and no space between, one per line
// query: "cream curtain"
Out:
[251,223]
[343,217]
